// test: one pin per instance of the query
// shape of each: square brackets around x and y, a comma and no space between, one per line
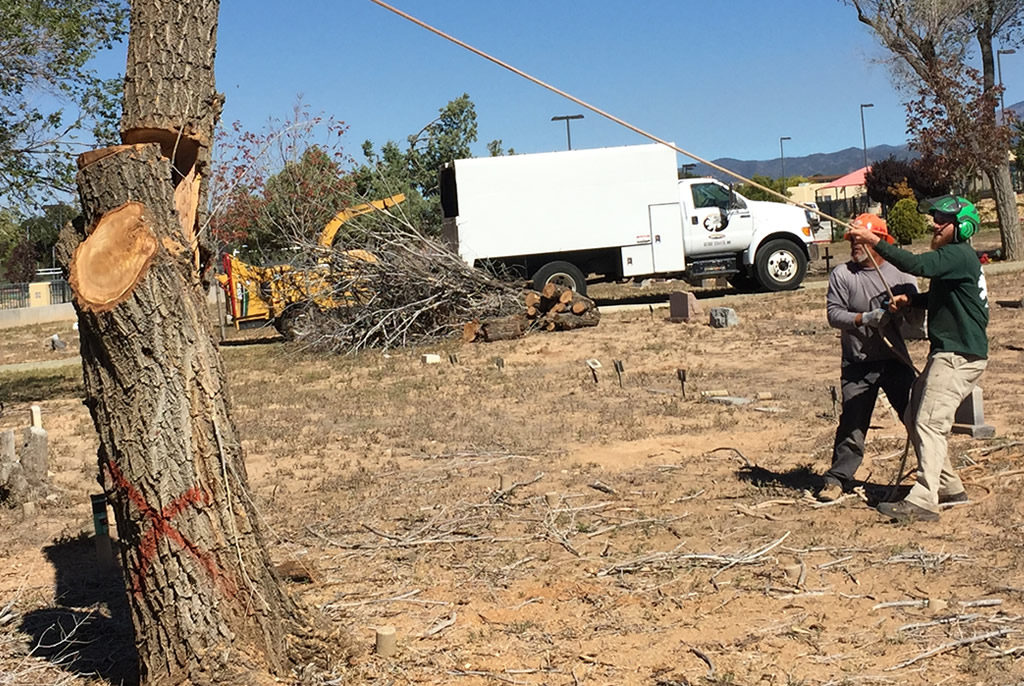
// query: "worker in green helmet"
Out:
[957,305]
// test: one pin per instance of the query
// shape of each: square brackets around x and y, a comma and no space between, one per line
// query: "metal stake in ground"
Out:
[681,375]
[835,401]
[618,370]
[594,365]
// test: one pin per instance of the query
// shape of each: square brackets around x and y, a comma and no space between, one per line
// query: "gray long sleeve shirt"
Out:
[853,289]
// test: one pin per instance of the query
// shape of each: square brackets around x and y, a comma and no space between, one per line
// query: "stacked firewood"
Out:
[555,308]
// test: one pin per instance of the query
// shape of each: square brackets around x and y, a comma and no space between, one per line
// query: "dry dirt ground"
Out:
[642,537]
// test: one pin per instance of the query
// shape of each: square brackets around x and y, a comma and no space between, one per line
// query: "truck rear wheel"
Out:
[781,265]
[562,274]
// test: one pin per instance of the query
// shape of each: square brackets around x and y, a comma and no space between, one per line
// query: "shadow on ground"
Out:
[803,479]
[89,631]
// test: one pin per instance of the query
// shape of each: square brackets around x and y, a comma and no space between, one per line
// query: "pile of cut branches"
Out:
[414,289]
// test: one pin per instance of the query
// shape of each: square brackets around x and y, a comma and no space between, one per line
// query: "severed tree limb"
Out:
[950,646]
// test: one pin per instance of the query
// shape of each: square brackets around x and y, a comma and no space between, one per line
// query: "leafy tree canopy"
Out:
[778,185]
[890,180]
[45,49]
[278,188]
[413,170]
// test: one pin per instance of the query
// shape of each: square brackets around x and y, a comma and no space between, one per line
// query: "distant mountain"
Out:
[1018,110]
[818,164]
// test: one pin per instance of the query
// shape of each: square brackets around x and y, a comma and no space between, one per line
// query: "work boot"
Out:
[832,490]
[905,511]
[953,499]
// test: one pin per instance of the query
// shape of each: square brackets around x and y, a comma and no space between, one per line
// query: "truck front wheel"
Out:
[781,265]
[560,273]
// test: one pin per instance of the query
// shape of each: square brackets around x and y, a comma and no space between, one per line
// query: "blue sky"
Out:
[720,79]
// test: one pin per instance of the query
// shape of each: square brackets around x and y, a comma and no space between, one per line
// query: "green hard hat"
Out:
[966,214]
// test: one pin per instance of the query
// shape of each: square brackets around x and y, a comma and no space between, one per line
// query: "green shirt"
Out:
[957,299]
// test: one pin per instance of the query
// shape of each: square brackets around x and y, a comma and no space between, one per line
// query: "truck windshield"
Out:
[713,195]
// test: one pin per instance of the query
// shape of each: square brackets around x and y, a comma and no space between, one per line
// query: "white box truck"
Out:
[617,213]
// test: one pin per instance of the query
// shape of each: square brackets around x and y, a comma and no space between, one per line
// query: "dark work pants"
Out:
[860,382]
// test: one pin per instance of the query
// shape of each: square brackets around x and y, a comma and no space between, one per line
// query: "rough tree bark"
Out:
[206,604]
[1006,211]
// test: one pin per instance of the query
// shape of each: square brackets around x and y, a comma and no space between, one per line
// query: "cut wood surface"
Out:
[113,259]
[470,331]
[503,328]
[555,308]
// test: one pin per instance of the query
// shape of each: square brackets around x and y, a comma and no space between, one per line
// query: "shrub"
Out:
[905,222]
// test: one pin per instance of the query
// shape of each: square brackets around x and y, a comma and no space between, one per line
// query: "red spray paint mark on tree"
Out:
[161,526]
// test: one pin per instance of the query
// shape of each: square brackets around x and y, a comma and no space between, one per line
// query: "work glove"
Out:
[875,318]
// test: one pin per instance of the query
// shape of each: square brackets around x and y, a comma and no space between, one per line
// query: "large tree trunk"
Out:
[205,602]
[1006,211]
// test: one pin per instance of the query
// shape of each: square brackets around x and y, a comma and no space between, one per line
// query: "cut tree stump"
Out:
[114,258]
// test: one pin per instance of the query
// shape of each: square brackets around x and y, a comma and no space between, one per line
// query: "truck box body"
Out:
[620,212]
[563,201]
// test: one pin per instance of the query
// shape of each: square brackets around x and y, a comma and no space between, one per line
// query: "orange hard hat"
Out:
[874,224]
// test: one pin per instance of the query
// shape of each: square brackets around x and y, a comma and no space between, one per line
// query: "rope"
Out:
[650,136]
[602,113]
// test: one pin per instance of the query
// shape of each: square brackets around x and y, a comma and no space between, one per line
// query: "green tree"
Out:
[10,235]
[952,108]
[778,185]
[45,48]
[905,222]
[277,188]
[43,230]
[414,169]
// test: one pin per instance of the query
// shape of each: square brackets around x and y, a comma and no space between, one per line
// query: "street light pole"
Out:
[863,135]
[566,118]
[999,74]
[782,159]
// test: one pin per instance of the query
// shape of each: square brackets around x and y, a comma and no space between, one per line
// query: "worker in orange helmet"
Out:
[874,354]
[957,305]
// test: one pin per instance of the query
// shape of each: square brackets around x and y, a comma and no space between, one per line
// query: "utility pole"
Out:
[863,135]
[782,159]
[566,118]
[999,74]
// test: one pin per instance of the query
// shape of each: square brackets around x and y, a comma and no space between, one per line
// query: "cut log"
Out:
[115,257]
[161,88]
[532,298]
[470,331]
[581,304]
[503,328]
[566,321]
[554,292]
[532,312]
[565,296]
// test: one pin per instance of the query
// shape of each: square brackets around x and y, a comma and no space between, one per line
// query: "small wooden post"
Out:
[387,641]
[104,552]
[37,417]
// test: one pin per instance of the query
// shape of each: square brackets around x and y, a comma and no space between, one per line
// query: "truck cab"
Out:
[751,242]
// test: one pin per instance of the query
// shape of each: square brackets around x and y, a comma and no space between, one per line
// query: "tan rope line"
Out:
[595,110]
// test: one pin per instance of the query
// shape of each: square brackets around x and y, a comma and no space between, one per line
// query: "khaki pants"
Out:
[947,379]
